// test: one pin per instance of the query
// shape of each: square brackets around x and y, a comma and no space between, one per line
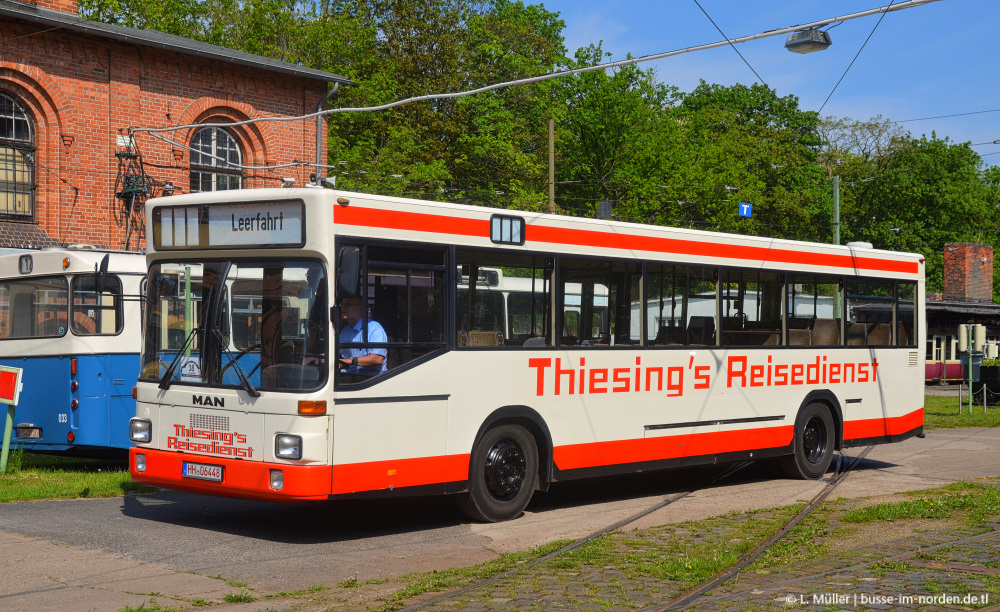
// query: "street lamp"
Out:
[807,41]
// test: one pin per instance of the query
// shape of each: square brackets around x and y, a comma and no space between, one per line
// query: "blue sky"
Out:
[941,58]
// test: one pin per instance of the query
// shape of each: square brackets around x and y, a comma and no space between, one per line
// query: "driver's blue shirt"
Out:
[354,333]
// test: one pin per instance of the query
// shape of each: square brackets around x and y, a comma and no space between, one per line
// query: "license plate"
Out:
[202,471]
[33,433]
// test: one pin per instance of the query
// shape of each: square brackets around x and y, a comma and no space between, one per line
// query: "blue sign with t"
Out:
[746,209]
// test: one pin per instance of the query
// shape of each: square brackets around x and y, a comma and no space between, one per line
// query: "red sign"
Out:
[10,383]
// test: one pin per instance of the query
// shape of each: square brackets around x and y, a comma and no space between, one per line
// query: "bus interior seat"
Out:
[536,341]
[881,335]
[856,334]
[799,337]
[396,356]
[902,339]
[826,332]
[461,339]
[772,340]
[800,322]
[669,335]
[701,330]
[568,341]
[479,337]
[737,323]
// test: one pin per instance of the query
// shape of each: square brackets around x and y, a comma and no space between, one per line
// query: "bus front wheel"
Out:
[503,471]
[813,443]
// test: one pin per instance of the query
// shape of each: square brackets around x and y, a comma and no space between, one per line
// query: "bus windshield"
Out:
[237,323]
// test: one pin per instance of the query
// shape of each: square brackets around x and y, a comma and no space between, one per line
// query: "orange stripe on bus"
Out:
[251,480]
[874,428]
[416,222]
[709,248]
[243,479]
[378,475]
[657,448]
[444,224]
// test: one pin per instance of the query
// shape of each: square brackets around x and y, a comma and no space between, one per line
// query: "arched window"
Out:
[17,155]
[215,161]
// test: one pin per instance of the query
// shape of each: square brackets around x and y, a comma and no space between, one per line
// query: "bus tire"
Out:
[503,472]
[813,443]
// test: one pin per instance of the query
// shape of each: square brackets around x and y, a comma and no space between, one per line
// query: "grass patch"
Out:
[35,477]
[418,584]
[673,557]
[978,503]
[241,597]
[941,412]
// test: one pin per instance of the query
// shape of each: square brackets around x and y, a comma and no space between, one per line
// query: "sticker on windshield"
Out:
[190,368]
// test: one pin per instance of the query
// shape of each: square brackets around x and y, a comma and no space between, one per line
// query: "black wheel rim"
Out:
[814,440]
[505,469]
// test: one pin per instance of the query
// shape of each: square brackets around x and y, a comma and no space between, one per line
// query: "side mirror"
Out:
[101,274]
[348,271]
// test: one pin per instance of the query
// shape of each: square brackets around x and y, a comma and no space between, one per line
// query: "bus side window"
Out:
[502,299]
[597,301]
[93,312]
[402,291]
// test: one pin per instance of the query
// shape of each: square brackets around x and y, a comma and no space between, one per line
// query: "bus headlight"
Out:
[287,446]
[140,430]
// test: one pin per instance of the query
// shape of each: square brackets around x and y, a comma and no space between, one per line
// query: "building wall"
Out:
[83,92]
[968,272]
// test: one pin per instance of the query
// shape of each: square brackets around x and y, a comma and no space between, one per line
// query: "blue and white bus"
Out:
[77,344]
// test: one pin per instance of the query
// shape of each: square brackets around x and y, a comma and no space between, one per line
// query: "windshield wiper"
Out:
[244,381]
[165,379]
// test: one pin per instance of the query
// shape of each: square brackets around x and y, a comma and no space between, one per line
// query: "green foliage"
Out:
[659,155]
[978,502]
[945,413]
[51,477]
[242,597]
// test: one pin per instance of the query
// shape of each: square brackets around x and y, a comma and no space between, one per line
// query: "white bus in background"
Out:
[769,348]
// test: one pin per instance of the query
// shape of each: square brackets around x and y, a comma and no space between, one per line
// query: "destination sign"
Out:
[223,226]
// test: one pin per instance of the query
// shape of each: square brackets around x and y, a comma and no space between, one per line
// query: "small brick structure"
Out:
[82,84]
[968,272]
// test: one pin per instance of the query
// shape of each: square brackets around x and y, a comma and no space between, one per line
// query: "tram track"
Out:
[772,586]
[691,595]
[722,476]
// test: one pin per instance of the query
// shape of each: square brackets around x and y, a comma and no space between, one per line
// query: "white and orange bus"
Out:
[632,348]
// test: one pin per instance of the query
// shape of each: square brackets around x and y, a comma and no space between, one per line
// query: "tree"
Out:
[928,192]
[613,138]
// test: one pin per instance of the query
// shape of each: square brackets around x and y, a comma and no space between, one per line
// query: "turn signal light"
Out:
[72,366]
[313,408]
[135,395]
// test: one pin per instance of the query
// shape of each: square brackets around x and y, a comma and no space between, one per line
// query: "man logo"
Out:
[208,400]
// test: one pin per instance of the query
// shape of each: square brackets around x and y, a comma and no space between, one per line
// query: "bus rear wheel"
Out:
[813,443]
[503,471]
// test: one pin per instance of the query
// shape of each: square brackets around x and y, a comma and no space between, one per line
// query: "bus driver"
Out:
[360,362]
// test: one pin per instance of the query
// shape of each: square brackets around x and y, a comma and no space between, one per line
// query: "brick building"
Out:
[70,89]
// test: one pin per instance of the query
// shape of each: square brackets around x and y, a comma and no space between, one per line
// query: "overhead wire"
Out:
[856,57]
[759,78]
[526,81]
